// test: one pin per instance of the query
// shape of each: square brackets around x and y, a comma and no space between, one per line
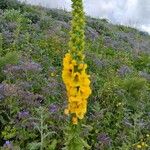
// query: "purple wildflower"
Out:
[145,75]
[53,108]
[99,63]
[8,145]
[23,114]
[124,70]
[104,139]
[1,91]
[7,142]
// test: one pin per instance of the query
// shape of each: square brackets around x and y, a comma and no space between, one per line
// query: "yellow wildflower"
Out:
[74,69]
[139,146]
[75,120]
[52,74]
[66,111]
[147,135]
[143,143]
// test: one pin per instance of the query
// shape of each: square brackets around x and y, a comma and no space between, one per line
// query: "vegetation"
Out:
[33,43]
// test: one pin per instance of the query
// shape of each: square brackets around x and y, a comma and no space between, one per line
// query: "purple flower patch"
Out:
[53,108]
[8,145]
[104,139]
[23,114]
[124,70]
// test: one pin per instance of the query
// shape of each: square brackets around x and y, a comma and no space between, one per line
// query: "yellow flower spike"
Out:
[74,69]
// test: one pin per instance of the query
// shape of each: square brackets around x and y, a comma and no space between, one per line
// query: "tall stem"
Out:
[41,148]
[77,35]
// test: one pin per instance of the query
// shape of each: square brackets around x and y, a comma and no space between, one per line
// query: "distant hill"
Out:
[116,36]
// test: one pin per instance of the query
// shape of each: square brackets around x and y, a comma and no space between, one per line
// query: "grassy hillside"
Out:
[33,41]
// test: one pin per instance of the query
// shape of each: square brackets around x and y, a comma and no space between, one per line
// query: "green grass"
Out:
[118,109]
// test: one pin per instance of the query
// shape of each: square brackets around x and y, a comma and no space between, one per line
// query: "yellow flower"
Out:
[67,59]
[80,115]
[75,120]
[81,110]
[72,91]
[66,111]
[75,99]
[143,143]
[139,146]
[85,91]
[85,79]
[52,74]
[82,67]
[74,74]
[147,135]
[76,79]
[119,104]
[72,107]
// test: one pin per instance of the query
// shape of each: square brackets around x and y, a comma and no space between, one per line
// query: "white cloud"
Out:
[135,13]
[146,28]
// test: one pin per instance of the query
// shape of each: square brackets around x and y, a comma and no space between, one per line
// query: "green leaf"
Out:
[53,145]
[34,145]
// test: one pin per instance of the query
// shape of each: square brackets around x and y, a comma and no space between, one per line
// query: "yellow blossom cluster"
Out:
[142,144]
[78,87]
[74,69]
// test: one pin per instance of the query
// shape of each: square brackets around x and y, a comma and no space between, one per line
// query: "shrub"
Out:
[10,4]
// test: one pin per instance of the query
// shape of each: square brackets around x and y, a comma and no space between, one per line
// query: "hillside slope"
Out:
[57,21]
[33,41]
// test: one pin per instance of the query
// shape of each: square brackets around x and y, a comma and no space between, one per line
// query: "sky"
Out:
[135,13]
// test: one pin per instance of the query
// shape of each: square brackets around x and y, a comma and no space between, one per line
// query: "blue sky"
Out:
[135,13]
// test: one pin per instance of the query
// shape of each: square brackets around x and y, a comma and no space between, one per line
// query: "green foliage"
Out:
[1,44]
[142,62]
[118,109]
[45,22]
[8,133]
[125,29]
[12,15]
[59,15]
[134,85]
[9,4]
[9,58]
[33,16]
[74,141]
[45,133]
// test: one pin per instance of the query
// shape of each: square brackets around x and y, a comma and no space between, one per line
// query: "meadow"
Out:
[33,43]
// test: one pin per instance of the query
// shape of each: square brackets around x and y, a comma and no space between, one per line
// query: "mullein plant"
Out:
[75,77]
